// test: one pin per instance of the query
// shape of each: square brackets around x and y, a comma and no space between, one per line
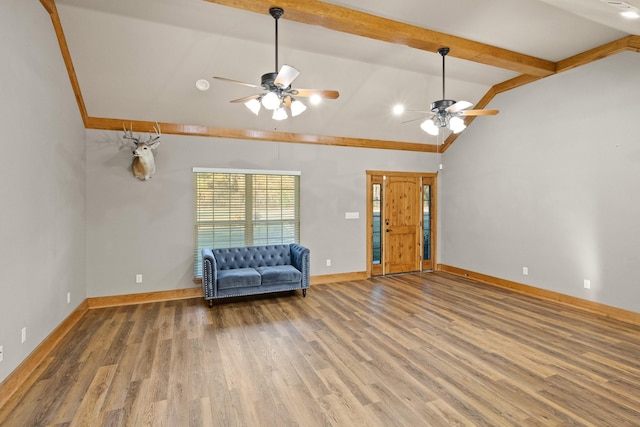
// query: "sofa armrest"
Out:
[209,274]
[300,260]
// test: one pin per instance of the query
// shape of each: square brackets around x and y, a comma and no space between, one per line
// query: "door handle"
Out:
[388,230]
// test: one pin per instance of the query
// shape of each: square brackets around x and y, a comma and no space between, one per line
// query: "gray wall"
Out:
[552,183]
[136,227]
[43,183]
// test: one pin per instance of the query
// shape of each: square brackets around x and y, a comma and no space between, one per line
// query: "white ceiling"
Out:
[140,59]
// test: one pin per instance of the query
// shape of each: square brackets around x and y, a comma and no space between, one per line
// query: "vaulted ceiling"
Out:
[138,60]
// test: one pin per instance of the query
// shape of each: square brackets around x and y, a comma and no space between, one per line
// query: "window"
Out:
[377,225]
[426,221]
[244,208]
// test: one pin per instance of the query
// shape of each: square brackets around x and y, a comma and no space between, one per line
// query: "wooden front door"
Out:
[402,224]
[405,204]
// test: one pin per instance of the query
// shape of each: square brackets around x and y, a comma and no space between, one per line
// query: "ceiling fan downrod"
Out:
[441,105]
[277,13]
[443,51]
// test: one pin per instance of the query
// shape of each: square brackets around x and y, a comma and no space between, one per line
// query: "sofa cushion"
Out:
[238,278]
[279,274]
[252,256]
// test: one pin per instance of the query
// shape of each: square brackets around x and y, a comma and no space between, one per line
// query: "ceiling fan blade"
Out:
[458,106]
[478,112]
[245,99]
[224,79]
[328,94]
[286,76]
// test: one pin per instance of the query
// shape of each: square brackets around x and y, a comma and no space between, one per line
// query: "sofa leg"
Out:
[210,303]
[304,293]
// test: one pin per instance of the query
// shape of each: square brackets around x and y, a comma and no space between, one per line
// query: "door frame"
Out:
[377,177]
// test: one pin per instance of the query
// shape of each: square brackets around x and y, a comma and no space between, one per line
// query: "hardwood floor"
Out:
[426,349]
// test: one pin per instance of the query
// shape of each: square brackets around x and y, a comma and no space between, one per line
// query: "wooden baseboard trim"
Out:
[142,298]
[594,307]
[130,299]
[340,277]
[21,376]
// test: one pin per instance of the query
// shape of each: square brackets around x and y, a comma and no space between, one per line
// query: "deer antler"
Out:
[129,134]
[158,134]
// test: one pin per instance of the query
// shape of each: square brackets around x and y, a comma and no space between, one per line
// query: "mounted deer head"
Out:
[144,164]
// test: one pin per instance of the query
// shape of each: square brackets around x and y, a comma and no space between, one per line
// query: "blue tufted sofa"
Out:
[250,270]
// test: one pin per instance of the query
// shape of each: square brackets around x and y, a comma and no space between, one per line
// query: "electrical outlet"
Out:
[138,278]
[24,334]
[525,271]
[587,284]
[1,353]
[328,263]
[68,297]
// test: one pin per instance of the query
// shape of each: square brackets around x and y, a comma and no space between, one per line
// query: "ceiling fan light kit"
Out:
[297,108]
[271,101]
[253,105]
[446,113]
[279,96]
[279,114]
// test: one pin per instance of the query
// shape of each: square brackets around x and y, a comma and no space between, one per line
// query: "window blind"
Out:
[244,208]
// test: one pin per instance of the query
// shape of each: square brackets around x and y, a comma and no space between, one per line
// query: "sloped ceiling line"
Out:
[50,6]
[617,46]
[340,19]
[631,43]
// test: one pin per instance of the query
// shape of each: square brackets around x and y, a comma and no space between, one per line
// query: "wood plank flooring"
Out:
[427,349]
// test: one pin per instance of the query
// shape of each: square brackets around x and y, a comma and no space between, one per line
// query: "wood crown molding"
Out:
[626,43]
[50,6]
[630,43]
[591,306]
[260,135]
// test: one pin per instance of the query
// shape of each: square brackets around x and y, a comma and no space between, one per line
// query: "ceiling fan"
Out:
[447,113]
[278,94]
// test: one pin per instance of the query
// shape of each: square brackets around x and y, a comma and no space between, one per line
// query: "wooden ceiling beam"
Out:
[342,19]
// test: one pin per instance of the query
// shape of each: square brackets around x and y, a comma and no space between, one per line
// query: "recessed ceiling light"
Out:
[202,84]
[398,109]
[627,10]
[315,99]
[630,14]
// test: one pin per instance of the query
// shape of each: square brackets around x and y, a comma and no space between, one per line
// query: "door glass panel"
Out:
[377,224]
[426,221]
